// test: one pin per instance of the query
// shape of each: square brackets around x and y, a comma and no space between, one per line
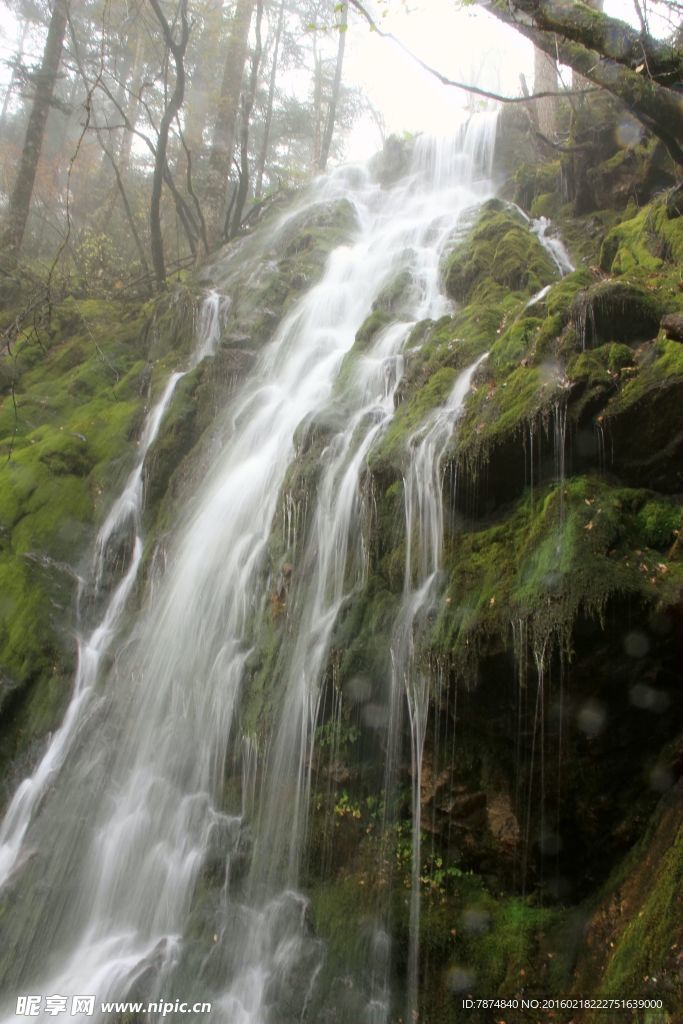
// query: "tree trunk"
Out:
[336,86]
[202,82]
[317,105]
[247,104]
[110,156]
[269,108]
[13,79]
[610,54]
[220,158]
[20,200]
[133,111]
[545,80]
[170,113]
[578,81]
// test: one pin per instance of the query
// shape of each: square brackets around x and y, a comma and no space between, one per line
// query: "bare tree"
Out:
[263,155]
[220,157]
[546,80]
[247,104]
[336,86]
[173,105]
[20,200]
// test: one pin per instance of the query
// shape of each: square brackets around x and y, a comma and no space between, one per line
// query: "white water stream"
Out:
[423,486]
[126,510]
[137,808]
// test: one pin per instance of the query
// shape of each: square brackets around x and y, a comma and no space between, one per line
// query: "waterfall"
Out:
[136,809]
[93,646]
[424,537]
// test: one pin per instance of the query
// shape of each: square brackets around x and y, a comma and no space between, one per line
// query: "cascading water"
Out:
[126,511]
[424,543]
[137,811]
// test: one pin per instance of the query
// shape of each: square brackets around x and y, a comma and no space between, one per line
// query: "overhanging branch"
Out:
[465,86]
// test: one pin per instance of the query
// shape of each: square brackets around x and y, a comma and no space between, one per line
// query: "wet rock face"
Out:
[614,311]
[389,165]
[672,325]
[500,249]
[66,436]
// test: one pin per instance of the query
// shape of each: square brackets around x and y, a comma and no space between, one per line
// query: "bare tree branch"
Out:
[465,86]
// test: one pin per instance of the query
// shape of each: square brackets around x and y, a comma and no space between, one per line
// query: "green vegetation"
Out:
[500,249]
[73,398]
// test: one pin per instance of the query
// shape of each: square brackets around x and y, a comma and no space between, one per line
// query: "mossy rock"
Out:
[393,160]
[644,420]
[369,329]
[547,204]
[67,435]
[499,249]
[396,297]
[567,549]
[615,311]
[632,173]
[265,273]
[631,246]
[633,932]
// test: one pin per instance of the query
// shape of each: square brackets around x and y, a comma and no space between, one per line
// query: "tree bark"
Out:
[20,200]
[336,86]
[89,88]
[263,155]
[610,54]
[201,81]
[220,157]
[13,78]
[177,50]
[133,111]
[247,104]
[545,80]
[317,105]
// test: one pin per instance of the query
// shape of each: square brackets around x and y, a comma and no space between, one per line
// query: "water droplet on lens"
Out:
[460,980]
[591,718]
[636,644]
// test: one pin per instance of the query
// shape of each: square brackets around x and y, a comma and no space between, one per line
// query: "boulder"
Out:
[672,325]
[614,311]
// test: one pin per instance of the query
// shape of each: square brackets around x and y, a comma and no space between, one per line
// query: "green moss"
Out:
[344,915]
[634,922]
[515,343]
[658,523]
[362,634]
[395,296]
[546,204]
[568,549]
[628,247]
[24,621]
[66,437]
[178,432]
[499,248]
[534,180]
[660,367]
[371,326]
[646,943]
[558,300]
[615,311]
[506,948]
[647,248]
[410,415]
[501,407]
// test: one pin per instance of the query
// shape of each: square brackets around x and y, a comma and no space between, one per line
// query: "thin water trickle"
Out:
[136,812]
[553,245]
[424,542]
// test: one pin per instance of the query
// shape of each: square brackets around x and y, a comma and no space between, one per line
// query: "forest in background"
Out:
[122,206]
[136,144]
[148,134]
